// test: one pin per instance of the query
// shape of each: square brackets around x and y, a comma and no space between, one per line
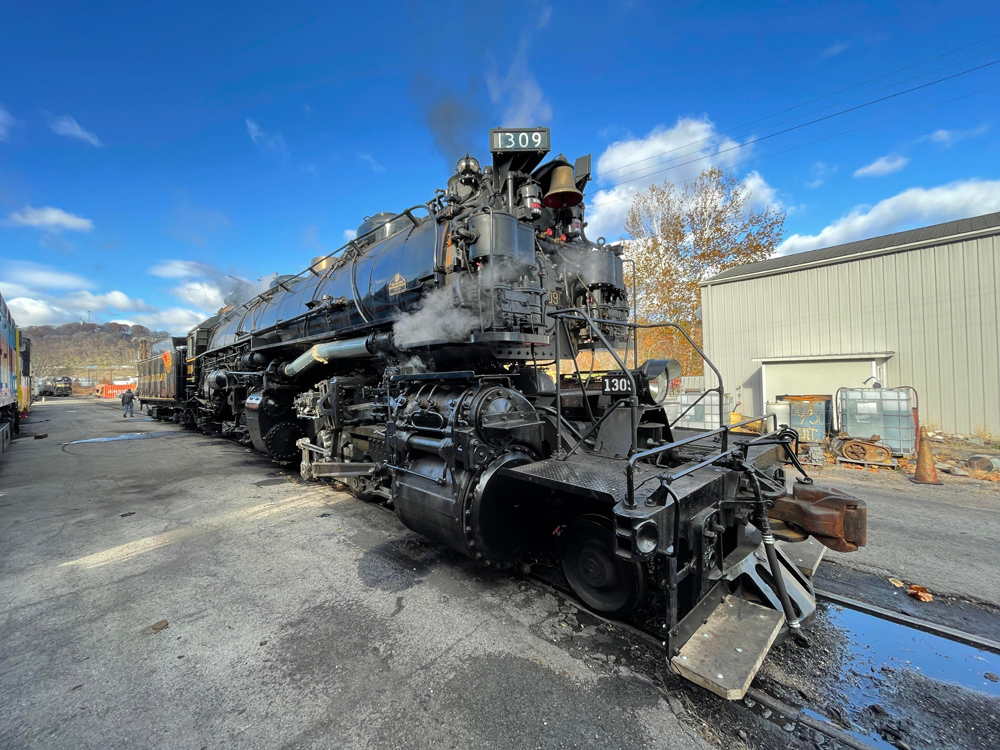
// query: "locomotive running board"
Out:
[724,654]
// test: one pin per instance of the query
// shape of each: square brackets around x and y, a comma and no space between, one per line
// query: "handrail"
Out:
[718,375]
[634,455]
[350,243]
[630,464]
[763,418]
[569,312]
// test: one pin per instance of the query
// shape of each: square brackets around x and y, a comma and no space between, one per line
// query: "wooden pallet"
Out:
[893,463]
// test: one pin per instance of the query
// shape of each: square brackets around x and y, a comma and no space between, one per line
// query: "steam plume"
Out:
[439,318]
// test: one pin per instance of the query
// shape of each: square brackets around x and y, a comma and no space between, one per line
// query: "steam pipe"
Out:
[430,445]
[356,348]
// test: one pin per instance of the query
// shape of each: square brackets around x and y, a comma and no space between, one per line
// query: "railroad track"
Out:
[951,634]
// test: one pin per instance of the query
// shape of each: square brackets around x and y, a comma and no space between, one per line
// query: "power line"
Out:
[818,140]
[820,98]
[805,124]
[782,122]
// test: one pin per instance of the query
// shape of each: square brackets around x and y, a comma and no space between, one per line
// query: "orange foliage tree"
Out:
[678,238]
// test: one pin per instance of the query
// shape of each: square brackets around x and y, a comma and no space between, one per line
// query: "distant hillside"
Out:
[69,349]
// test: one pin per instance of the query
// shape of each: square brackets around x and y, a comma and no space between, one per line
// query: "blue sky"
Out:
[147,152]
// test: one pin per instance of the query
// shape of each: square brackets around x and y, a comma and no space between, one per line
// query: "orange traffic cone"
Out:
[926,472]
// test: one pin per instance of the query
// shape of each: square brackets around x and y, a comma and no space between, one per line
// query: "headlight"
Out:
[657,374]
[658,388]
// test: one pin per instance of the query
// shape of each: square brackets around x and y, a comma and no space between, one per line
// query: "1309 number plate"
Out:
[505,139]
[616,385]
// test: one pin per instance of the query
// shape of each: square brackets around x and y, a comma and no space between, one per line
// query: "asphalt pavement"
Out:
[161,588]
[295,616]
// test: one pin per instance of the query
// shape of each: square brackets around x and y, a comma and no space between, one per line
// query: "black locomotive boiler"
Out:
[430,364]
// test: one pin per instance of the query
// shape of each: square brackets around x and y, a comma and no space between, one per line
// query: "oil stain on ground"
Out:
[398,564]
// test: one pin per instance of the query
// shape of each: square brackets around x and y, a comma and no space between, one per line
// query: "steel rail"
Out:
[942,631]
[798,715]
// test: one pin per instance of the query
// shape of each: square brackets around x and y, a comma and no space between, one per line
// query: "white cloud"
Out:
[178,269]
[256,132]
[911,208]
[518,92]
[370,161]
[36,312]
[201,294]
[36,276]
[882,166]
[113,300]
[49,218]
[949,138]
[206,287]
[762,195]
[10,289]
[274,142]
[69,127]
[350,234]
[175,320]
[678,154]
[42,295]
[7,121]
[835,49]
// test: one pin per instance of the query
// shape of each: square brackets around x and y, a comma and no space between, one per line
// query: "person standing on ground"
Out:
[127,398]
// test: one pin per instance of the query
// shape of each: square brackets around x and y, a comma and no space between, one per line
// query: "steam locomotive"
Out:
[431,364]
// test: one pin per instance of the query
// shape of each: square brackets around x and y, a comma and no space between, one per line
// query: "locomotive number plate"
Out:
[535,139]
[616,385]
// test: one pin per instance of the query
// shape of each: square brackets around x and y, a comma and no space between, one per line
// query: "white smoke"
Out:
[438,318]
[413,366]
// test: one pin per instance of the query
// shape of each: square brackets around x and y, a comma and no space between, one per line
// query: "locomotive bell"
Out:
[562,189]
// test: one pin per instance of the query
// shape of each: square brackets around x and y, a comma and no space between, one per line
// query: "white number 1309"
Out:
[520,140]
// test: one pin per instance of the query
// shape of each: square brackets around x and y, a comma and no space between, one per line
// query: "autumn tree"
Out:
[678,238]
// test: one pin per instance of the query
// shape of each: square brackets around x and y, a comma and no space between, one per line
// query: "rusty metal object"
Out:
[984,463]
[865,450]
[834,518]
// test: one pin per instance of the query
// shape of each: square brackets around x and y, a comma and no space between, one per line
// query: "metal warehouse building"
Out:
[917,308]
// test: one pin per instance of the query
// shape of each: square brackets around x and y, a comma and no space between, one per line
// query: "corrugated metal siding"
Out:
[936,307]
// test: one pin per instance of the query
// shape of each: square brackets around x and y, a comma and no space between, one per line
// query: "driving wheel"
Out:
[603,581]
